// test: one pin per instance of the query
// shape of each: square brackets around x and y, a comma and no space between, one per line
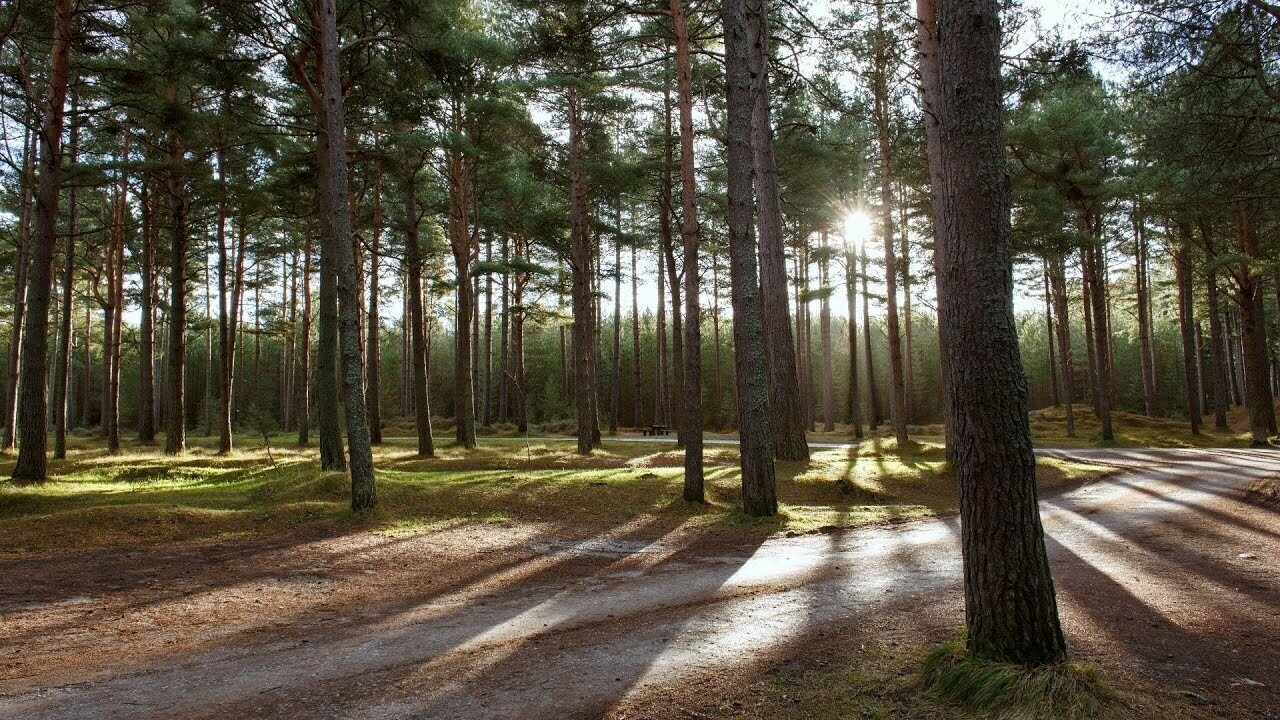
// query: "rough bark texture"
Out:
[463,253]
[1062,325]
[332,152]
[62,373]
[146,325]
[1186,328]
[1216,343]
[1253,329]
[851,297]
[824,333]
[581,265]
[1143,292]
[175,418]
[1010,607]
[897,385]
[785,401]
[373,323]
[32,401]
[1101,335]
[692,424]
[417,330]
[873,400]
[759,484]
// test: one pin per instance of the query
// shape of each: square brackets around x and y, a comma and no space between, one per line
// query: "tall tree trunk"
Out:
[692,422]
[1217,345]
[581,265]
[1048,337]
[851,297]
[742,23]
[667,262]
[785,402]
[717,388]
[904,264]
[1186,327]
[488,332]
[146,325]
[1010,607]
[32,408]
[615,376]
[1062,323]
[504,321]
[373,322]
[175,415]
[460,243]
[637,379]
[302,389]
[31,149]
[897,402]
[417,326]
[1253,329]
[661,400]
[1101,336]
[824,320]
[336,235]
[62,374]
[1144,315]
[873,401]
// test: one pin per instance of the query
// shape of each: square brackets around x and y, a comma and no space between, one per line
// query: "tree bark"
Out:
[175,415]
[373,323]
[881,110]
[824,333]
[581,266]
[463,251]
[1253,330]
[1010,607]
[1217,345]
[417,327]
[637,379]
[1062,324]
[302,392]
[1101,336]
[1186,328]
[851,297]
[1144,316]
[785,402]
[32,408]
[62,373]
[873,401]
[759,485]
[692,425]
[332,171]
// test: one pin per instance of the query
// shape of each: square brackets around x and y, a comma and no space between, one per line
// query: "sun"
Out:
[857,226]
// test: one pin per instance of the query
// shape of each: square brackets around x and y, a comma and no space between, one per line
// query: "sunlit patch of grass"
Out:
[1049,428]
[141,496]
[1072,690]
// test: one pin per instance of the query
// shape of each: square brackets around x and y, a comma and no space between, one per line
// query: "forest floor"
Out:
[519,581]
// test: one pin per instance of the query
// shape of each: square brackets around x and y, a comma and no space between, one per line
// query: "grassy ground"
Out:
[885,682]
[142,496]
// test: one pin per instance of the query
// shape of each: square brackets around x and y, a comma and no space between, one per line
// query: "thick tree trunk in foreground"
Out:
[332,166]
[584,383]
[1010,608]
[785,402]
[692,424]
[759,484]
[32,407]
[175,413]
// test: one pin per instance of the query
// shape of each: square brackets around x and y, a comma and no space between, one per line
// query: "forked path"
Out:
[1168,568]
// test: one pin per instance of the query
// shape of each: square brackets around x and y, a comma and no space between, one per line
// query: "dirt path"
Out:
[1169,569]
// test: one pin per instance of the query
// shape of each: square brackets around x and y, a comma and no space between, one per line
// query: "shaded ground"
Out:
[1167,571]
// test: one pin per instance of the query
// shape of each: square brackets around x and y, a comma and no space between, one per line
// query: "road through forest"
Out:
[1170,568]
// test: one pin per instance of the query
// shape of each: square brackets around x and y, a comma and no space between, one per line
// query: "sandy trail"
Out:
[1166,568]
